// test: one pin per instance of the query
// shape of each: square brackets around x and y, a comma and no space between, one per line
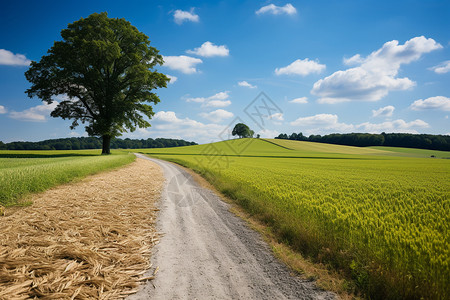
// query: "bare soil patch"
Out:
[90,239]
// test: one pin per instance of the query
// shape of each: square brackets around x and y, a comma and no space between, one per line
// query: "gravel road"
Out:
[209,253]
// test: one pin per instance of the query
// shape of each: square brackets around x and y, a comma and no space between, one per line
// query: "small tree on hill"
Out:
[242,131]
[104,67]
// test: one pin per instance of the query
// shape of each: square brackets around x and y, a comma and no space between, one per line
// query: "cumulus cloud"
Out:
[208,49]
[288,9]
[180,16]
[3,109]
[301,67]
[37,113]
[386,111]
[217,100]
[328,123]
[172,79]
[376,74]
[217,103]
[393,126]
[316,120]
[217,116]
[182,63]
[301,100]
[166,116]
[442,68]
[438,102]
[246,84]
[168,124]
[354,60]
[10,59]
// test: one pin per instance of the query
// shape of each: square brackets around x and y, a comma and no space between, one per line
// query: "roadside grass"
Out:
[382,220]
[23,173]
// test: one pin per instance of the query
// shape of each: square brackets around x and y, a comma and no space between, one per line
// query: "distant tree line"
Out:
[407,140]
[93,143]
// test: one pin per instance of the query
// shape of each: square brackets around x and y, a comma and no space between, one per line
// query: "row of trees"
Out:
[422,141]
[94,143]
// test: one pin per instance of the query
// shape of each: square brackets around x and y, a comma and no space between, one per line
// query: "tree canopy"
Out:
[408,140]
[77,143]
[103,69]
[242,130]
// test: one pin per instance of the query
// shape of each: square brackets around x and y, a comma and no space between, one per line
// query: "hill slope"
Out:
[290,148]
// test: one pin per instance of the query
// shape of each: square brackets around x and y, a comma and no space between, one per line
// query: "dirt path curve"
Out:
[209,253]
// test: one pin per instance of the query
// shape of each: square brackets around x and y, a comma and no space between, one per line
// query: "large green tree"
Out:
[242,130]
[105,69]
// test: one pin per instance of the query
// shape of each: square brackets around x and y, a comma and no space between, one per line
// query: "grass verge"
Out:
[22,176]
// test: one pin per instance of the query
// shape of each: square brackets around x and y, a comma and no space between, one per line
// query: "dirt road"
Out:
[209,253]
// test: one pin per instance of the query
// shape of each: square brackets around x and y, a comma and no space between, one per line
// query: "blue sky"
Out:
[323,66]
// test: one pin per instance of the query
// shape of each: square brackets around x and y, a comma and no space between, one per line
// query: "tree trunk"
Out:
[106,145]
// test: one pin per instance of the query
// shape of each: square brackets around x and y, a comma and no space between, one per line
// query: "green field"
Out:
[381,218]
[412,152]
[25,172]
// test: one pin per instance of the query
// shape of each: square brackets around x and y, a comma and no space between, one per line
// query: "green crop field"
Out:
[382,219]
[25,172]
[412,152]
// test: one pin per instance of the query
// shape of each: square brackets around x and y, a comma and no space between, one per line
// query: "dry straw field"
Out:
[90,239]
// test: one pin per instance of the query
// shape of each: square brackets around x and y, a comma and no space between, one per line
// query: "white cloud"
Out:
[37,113]
[197,99]
[181,16]
[376,75]
[208,49]
[288,9]
[246,84]
[354,60]
[329,123]
[301,100]
[167,124]
[301,67]
[218,96]
[386,111]
[166,116]
[217,103]
[11,59]
[393,126]
[217,116]
[182,63]
[217,100]
[438,102]
[172,79]
[442,68]
[3,109]
[316,120]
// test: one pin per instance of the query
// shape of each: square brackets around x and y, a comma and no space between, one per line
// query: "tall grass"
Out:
[382,220]
[22,176]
